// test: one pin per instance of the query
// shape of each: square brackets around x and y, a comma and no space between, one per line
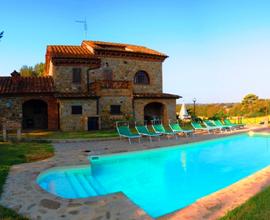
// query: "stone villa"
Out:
[89,87]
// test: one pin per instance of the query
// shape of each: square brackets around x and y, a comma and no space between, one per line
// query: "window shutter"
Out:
[76,75]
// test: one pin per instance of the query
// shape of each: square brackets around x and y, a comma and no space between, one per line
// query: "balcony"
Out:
[111,87]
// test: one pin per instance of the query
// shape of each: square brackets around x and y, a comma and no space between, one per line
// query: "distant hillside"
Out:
[251,106]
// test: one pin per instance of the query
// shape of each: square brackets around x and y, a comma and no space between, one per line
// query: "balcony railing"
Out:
[109,84]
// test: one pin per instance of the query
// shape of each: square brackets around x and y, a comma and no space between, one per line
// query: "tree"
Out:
[251,106]
[249,99]
[37,70]
[26,71]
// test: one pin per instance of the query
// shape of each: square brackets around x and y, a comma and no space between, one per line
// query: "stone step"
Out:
[86,185]
[76,185]
[96,185]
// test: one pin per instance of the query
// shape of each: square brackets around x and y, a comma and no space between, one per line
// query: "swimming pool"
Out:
[163,180]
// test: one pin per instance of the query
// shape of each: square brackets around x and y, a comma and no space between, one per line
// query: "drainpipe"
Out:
[97,102]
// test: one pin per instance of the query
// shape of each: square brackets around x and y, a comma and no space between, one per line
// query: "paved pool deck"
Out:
[22,194]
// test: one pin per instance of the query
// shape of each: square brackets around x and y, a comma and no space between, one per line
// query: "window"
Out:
[76,109]
[116,109]
[141,77]
[76,75]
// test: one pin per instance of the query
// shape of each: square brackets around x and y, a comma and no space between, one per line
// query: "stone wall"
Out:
[11,108]
[118,69]
[125,69]
[169,106]
[62,76]
[107,119]
[70,122]
[122,69]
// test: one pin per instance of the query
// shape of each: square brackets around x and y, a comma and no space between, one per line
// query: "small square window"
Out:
[76,75]
[76,110]
[116,109]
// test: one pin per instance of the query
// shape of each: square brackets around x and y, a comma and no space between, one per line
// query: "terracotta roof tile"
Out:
[75,95]
[20,85]
[68,51]
[156,95]
[91,49]
[100,45]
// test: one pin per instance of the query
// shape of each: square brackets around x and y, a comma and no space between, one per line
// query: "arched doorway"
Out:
[153,111]
[35,114]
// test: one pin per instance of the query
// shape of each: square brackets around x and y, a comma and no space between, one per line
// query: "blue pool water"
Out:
[164,180]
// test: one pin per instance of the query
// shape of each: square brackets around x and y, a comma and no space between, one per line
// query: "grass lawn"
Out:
[67,134]
[70,134]
[256,208]
[61,135]
[15,153]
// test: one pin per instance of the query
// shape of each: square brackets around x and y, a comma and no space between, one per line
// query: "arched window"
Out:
[141,77]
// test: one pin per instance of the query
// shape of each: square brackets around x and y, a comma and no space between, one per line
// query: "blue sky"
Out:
[219,50]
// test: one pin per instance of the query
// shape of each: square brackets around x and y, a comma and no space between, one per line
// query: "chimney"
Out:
[15,74]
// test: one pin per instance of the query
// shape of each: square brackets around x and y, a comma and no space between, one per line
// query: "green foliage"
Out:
[3,174]
[37,70]
[249,99]
[26,71]
[8,214]
[195,118]
[16,153]
[209,110]
[251,106]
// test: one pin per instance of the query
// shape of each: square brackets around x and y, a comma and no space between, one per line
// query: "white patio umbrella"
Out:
[183,114]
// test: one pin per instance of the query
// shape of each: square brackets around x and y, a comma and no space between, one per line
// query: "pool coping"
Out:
[28,199]
[218,204]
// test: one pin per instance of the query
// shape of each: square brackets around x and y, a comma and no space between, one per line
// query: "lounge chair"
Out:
[176,128]
[211,125]
[198,127]
[143,130]
[124,131]
[228,122]
[159,129]
[219,124]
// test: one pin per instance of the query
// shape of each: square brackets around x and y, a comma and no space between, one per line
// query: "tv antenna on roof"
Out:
[84,22]
[1,34]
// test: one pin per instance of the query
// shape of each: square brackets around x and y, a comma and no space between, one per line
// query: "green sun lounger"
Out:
[219,124]
[159,129]
[211,125]
[143,130]
[198,126]
[124,131]
[228,122]
[176,128]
